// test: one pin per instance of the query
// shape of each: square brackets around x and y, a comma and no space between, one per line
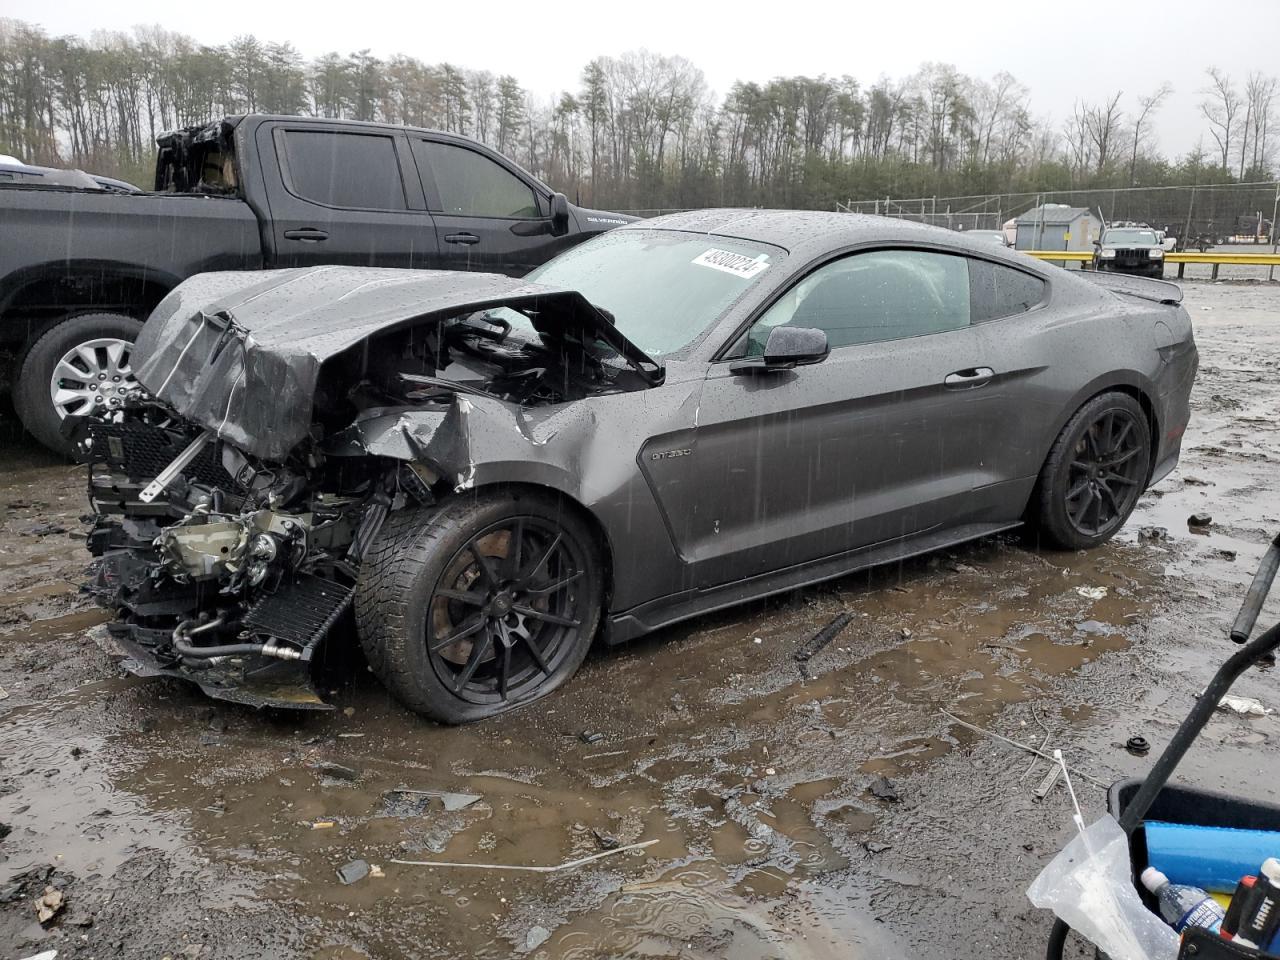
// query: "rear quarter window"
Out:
[996,291]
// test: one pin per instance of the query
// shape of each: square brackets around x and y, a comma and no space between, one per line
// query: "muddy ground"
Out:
[181,827]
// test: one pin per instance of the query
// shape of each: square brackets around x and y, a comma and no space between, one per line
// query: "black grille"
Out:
[141,451]
[301,612]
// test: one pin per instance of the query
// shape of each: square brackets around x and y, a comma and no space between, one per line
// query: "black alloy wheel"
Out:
[1106,473]
[1095,472]
[480,604]
[506,610]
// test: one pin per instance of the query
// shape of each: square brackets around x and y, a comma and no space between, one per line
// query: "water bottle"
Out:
[1183,906]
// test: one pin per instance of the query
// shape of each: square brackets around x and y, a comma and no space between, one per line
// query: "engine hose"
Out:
[207,653]
[185,649]
[189,651]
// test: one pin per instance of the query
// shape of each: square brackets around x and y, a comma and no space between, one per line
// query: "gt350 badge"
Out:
[671,454]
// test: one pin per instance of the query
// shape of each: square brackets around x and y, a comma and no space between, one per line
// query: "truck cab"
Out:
[244,193]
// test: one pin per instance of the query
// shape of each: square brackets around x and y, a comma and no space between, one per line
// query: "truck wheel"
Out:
[1094,474]
[472,608]
[81,364]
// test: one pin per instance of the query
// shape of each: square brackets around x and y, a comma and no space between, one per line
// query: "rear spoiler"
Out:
[1158,291]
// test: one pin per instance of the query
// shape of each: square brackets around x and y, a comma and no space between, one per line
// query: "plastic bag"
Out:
[1090,886]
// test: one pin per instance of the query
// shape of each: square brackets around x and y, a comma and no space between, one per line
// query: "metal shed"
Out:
[1057,226]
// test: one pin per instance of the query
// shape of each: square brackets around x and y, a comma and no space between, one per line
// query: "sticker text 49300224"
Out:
[739,264]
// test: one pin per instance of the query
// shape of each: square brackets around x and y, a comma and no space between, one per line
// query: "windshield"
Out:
[663,288]
[1131,236]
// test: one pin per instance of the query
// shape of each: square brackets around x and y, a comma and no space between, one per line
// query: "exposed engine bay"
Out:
[229,568]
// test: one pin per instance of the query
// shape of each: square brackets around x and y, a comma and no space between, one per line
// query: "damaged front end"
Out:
[224,571]
[282,420]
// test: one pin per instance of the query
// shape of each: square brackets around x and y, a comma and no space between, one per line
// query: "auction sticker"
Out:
[739,264]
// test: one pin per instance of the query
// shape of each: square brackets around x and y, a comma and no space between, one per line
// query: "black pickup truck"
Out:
[80,269]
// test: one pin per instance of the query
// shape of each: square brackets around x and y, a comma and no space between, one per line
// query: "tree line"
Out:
[641,130]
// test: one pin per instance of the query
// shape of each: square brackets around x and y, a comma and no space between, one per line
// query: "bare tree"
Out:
[1079,146]
[1259,94]
[1147,106]
[1220,108]
[1101,123]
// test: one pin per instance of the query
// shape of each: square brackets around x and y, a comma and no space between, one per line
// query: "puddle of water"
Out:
[690,913]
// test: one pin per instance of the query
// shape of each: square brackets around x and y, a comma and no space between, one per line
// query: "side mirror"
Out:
[559,214]
[787,347]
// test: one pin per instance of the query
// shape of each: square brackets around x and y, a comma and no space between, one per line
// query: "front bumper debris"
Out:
[254,682]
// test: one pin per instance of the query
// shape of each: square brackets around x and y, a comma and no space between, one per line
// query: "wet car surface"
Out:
[184,827]
[673,418]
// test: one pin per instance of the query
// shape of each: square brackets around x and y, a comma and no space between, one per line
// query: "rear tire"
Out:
[96,347]
[1095,472]
[479,570]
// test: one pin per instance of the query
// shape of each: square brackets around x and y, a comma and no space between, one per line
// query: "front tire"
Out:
[1094,474]
[79,365]
[474,607]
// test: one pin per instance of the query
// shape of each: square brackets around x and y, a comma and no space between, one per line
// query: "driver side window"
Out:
[870,297]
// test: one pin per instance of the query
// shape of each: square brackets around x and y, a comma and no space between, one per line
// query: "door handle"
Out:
[307,235]
[465,238]
[968,379]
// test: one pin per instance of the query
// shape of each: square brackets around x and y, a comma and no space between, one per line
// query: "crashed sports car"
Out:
[478,476]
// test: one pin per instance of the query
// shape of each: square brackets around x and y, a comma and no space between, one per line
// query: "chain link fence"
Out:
[1210,213]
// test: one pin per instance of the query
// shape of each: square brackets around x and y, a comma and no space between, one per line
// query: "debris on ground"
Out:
[5,830]
[354,871]
[588,736]
[1138,746]
[336,771]
[1092,593]
[450,801]
[607,841]
[1153,533]
[323,825]
[882,788]
[375,870]
[1246,706]
[1199,520]
[50,904]
[4,694]
[1021,746]
[44,530]
[568,865]
[46,955]
[875,846]
[536,937]
[822,638]
[1046,785]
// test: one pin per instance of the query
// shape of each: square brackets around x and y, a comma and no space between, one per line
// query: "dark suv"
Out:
[1130,250]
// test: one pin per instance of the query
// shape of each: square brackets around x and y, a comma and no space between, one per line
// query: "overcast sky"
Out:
[1058,50]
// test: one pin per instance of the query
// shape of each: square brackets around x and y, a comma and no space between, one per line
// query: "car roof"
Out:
[812,232]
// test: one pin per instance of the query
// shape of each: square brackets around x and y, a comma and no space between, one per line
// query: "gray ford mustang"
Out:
[478,475]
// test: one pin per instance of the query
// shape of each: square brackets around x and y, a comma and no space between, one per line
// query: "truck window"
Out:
[351,170]
[470,184]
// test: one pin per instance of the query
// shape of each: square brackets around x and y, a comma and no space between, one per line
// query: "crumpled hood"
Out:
[240,353]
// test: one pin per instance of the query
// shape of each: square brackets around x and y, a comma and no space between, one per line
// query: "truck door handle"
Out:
[307,234]
[466,238]
[968,379]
